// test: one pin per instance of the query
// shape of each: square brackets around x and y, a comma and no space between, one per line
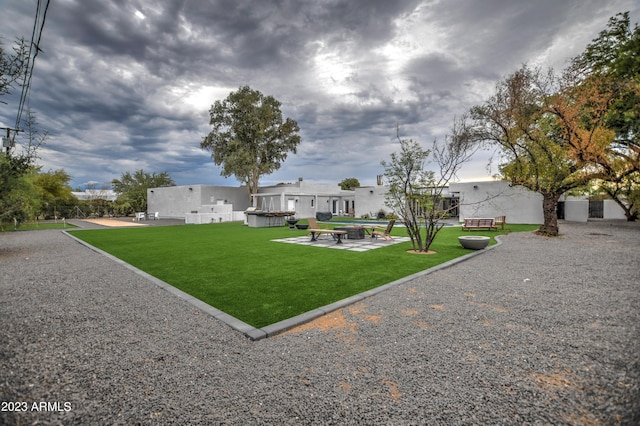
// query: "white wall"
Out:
[214,213]
[576,209]
[177,201]
[308,198]
[613,211]
[370,199]
[498,198]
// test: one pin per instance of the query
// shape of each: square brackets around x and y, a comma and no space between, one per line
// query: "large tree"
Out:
[349,183]
[551,132]
[19,200]
[132,188]
[612,62]
[54,193]
[16,192]
[13,169]
[249,136]
[614,58]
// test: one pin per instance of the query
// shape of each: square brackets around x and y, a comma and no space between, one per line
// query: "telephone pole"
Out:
[8,142]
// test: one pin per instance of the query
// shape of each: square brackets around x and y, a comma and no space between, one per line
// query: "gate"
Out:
[596,209]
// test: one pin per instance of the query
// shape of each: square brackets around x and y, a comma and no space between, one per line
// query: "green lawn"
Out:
[238,269]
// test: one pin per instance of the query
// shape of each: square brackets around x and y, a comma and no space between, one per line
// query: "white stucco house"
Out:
[497,198]
[305,199]
[206,203]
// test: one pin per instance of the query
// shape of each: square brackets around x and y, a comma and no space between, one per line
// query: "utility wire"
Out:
[35,42]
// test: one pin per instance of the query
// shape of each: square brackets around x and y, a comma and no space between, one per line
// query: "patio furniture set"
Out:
[354,232]
[357,232]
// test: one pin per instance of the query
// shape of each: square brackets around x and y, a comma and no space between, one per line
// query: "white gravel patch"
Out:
[535,331]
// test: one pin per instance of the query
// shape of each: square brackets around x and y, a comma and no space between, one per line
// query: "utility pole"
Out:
[7,142]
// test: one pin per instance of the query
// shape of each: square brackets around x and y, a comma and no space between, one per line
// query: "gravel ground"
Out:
[535,331]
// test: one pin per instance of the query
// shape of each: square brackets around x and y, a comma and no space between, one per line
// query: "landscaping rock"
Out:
[535,331]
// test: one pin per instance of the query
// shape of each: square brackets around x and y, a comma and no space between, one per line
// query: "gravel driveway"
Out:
[534,331]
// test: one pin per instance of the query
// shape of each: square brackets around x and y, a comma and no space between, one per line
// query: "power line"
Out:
[35,43]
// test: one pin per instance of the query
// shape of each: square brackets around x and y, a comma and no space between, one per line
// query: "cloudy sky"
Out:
[122,85]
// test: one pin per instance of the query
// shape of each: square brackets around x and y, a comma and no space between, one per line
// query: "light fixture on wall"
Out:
[371,191]
[475,186]
[190,189]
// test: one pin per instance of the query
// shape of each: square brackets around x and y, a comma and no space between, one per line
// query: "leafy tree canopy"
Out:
[249,136]
[19,200]
[611,62]
[349,183]
[551,132]
[53,192]
[16,192]
[614,58]
[132,188]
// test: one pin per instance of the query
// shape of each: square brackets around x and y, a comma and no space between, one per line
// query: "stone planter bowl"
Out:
[474,242]
[302,226]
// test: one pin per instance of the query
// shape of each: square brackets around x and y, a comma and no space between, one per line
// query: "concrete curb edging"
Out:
[233,322]
[284,325]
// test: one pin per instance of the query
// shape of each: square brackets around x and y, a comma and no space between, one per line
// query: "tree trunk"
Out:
[550,212]
[413,229]
[431,230]
[631,216]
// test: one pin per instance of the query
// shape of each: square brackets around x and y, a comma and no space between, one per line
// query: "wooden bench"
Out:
[479,223]
[337,235]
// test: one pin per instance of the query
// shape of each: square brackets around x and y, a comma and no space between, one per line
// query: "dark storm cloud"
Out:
[123,85]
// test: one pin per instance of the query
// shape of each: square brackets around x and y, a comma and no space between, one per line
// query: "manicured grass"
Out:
[238,269]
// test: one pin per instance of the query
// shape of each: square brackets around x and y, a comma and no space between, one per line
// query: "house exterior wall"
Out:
[477,199]
[304,198]
[234,195]
[576,209]
[498,198]
[178,201]
[369,200]
[613,211]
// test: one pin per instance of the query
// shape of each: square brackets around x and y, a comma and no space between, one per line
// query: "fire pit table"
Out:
[353,232]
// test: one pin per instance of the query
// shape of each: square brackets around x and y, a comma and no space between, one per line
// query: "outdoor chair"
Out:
[385,233]
[316,231]
[313,224]
[500,221]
